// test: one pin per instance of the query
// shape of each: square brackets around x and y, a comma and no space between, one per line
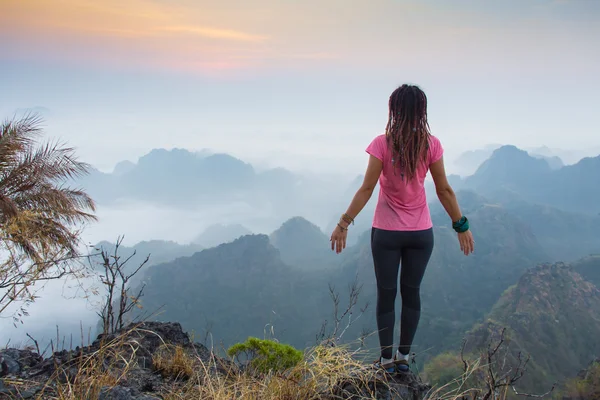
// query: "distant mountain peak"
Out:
[254,239]
[300,241]
[298,228]
[548,289]
[513,154]
[123,167]
[296,222]
[217,234]
[509,149]
[508,166]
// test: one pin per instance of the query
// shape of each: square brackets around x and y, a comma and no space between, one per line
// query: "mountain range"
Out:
[468,161]
[505,249]
[511,174]
[184,179]
[526,215]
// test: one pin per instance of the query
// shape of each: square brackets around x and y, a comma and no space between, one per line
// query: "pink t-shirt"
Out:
[402,204]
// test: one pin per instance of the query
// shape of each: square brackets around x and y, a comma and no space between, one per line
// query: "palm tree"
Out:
[38,212]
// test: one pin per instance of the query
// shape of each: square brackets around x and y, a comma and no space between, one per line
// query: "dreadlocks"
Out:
[407,131]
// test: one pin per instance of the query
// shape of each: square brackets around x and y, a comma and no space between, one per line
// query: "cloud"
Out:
[214,33]
[127,19]
[262,36]
[131,33]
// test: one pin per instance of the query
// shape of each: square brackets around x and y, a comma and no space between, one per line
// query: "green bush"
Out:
[444,368]
[586,387]
[267,355]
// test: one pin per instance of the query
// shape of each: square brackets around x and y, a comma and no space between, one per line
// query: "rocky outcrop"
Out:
[147,360]
[130,351]
[361,385]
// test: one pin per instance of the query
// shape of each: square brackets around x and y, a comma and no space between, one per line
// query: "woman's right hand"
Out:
[467,243]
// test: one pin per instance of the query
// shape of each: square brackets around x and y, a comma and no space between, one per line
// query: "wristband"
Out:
[462,225]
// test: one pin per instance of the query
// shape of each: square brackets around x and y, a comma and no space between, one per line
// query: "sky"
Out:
[300,84]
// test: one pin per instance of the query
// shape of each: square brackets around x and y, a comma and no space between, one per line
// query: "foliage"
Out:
[36,210]
[444,369]
[585,386]
[39,214]
[266,355]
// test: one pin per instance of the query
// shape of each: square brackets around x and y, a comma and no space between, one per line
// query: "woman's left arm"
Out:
[361,198]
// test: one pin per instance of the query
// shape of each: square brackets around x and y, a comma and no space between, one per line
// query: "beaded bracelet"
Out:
[347,219]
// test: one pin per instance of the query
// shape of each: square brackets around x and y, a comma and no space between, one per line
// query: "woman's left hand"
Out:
[338,239]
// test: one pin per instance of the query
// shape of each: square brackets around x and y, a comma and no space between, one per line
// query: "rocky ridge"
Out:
[134,362]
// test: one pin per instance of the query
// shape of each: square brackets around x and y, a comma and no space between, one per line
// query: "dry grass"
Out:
[86,374]
[174,362]
[319,376]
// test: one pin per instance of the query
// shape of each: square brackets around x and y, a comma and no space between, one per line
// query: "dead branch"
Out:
[535,396]
[37,346]
[497,378]
[339,327]
[462,356]
[117,283]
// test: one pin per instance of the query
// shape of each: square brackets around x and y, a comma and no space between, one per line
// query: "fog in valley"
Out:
[72,305]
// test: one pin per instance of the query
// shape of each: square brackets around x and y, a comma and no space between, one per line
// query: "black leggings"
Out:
[388,248]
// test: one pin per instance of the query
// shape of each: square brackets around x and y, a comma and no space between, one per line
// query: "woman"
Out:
[402,228]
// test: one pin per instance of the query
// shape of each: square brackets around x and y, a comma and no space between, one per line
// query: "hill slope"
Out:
[553,314]
[239,289]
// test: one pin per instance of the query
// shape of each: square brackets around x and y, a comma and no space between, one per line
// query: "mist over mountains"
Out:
[234,191]
[469,161]
[511,174]
[263,261]
[224,190]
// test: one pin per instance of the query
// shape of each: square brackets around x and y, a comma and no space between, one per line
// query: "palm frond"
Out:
[37,211]
[59,163]
[16,137]
[37,235]
[61,203]
[49,164]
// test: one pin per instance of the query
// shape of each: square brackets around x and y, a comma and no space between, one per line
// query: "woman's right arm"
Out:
[448,199]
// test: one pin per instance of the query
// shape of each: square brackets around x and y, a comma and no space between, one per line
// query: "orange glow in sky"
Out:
[213,36]
[132,31]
